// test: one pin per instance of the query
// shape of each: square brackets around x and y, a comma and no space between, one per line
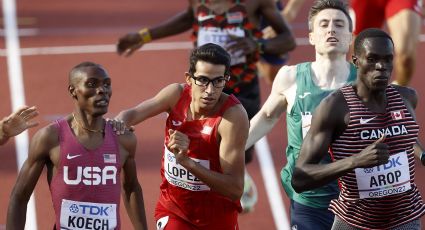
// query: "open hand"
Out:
[20,121]
[129,43]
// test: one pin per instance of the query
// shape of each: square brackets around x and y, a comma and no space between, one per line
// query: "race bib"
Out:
[305,122]
[87,215]
[384,180]
[179,176]
[221,37]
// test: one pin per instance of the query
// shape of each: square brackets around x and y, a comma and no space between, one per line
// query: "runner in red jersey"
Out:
[84,158]
[234,25]
[203,160]
[403,19]
[372,134]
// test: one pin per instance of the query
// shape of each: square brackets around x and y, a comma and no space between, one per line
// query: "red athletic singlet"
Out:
[86,187]
[384,196]
[182,194]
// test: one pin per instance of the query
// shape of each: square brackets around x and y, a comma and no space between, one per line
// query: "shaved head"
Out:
[83,68]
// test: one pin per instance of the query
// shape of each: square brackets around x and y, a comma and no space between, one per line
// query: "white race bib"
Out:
[221,37]
[87,215]
[179,176]
[306,122]
[384,180]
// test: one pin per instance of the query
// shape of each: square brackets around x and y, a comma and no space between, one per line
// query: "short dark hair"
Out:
[369,33]
[320,5]
[210,53]
[80,67]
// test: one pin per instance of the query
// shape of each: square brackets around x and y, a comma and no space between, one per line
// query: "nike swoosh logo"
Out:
[365,121]
[304,95]
[206,17]
[176,123]
[69,157]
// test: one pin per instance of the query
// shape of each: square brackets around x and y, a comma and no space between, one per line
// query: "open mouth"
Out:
[332,39]
[208,99]
[102,102]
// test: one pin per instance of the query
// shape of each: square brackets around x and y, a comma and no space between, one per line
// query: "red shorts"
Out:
[166,220]
[372,13]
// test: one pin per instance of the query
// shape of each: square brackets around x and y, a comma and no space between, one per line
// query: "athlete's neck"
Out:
[88,123]
[330,73]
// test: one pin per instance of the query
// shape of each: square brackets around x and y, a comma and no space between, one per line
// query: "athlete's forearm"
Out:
[3,136]
[227,185]
[176,25]
[134,203]
[312,176]
[281,44]
[16,214]
[260,125]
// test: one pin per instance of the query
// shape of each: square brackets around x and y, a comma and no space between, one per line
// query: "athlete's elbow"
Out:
[236,196]
[298,180]
[236,192]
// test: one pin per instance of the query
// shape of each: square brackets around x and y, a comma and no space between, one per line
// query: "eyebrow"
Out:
[327,20]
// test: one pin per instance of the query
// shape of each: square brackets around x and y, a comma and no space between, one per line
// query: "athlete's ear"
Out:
[355,61]
[310,38]
[71,90]
[187,76]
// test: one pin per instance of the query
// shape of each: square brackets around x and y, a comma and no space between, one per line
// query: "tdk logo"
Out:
[89,210]
[394,162]
[74,208]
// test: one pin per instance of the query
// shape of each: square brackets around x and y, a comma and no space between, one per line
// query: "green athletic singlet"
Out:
[307,98]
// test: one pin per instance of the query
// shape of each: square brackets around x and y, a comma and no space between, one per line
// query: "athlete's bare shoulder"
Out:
[48,134]
[286,77]
[408,94]
[44,142]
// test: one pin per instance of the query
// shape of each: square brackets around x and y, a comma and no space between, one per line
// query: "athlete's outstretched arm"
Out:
[329,121]
[164,101]
[41,145]
[175,25]
[276,104]
[233,132]
[132,191]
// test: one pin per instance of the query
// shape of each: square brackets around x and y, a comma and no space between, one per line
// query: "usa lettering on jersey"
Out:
[90,175]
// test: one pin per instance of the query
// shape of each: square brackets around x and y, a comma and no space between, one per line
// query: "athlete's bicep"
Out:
[161,102]
[277,101]
[233,131]
[128,143]
[323,128]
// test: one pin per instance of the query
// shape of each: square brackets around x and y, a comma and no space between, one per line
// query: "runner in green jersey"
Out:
[297,90]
